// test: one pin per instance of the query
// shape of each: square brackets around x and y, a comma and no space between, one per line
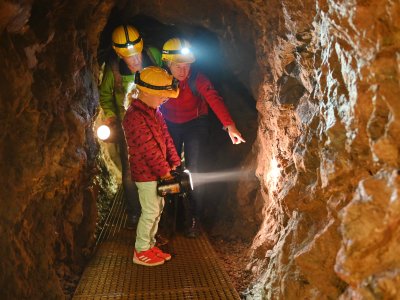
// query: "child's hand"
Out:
[173,168]
[167,176]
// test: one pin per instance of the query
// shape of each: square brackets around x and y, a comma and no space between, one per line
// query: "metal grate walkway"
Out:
[193,273]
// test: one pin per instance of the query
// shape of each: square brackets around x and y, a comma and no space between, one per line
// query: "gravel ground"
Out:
[234,258]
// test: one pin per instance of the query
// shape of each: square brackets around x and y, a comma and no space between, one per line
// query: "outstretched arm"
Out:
[215,101]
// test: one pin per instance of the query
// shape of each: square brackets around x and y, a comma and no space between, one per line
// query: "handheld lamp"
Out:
[103,132]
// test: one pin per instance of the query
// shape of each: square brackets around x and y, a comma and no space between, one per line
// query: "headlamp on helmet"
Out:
[178,51]
[127,41]
[185,50]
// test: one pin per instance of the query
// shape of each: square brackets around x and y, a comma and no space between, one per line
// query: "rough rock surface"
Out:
[48,98]
[328,150]
[323,215]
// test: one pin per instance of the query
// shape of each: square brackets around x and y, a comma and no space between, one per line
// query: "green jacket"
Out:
[113,92]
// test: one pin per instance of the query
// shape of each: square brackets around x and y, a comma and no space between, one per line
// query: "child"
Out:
[152,156]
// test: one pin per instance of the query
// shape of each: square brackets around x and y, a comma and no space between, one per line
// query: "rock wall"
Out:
[327,150]
[48,98]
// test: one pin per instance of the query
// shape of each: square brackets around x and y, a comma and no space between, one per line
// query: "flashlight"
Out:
[180,183]
[103,132]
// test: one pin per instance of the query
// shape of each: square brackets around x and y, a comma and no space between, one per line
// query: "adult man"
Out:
[128,57]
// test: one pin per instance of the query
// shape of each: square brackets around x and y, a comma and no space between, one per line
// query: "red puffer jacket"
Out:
[151,150]
[188,107]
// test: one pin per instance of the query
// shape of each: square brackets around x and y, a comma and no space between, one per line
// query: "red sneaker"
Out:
[160,253]
[147,258]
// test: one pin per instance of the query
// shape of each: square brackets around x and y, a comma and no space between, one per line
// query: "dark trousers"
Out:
[132,204]
[191,138]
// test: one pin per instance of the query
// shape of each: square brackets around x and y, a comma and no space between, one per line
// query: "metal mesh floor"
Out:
[193,273]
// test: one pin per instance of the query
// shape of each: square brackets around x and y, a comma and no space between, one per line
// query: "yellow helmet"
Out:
[156,81]
[177,50]
[127,41]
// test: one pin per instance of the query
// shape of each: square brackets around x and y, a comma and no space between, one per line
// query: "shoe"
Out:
[193,231]
[131,221]
[161,254]
[147,258]
[161,240]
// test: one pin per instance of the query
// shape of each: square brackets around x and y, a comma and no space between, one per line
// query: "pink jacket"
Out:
[151,150]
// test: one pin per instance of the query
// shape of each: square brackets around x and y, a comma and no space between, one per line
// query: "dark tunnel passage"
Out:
[307,208]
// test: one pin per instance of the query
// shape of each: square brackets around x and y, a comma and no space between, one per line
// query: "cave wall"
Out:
[48,98]
[327,150]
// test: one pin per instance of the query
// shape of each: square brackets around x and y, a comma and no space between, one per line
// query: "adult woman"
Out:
[187,116]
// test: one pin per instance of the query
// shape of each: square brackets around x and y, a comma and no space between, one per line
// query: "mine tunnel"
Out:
[307,208]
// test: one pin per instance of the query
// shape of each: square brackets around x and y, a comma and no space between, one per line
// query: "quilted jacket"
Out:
[151,150]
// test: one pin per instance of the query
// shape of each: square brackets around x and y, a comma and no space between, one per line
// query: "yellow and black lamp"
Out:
[181,183]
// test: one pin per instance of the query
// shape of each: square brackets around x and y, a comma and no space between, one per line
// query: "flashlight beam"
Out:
[224,176]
